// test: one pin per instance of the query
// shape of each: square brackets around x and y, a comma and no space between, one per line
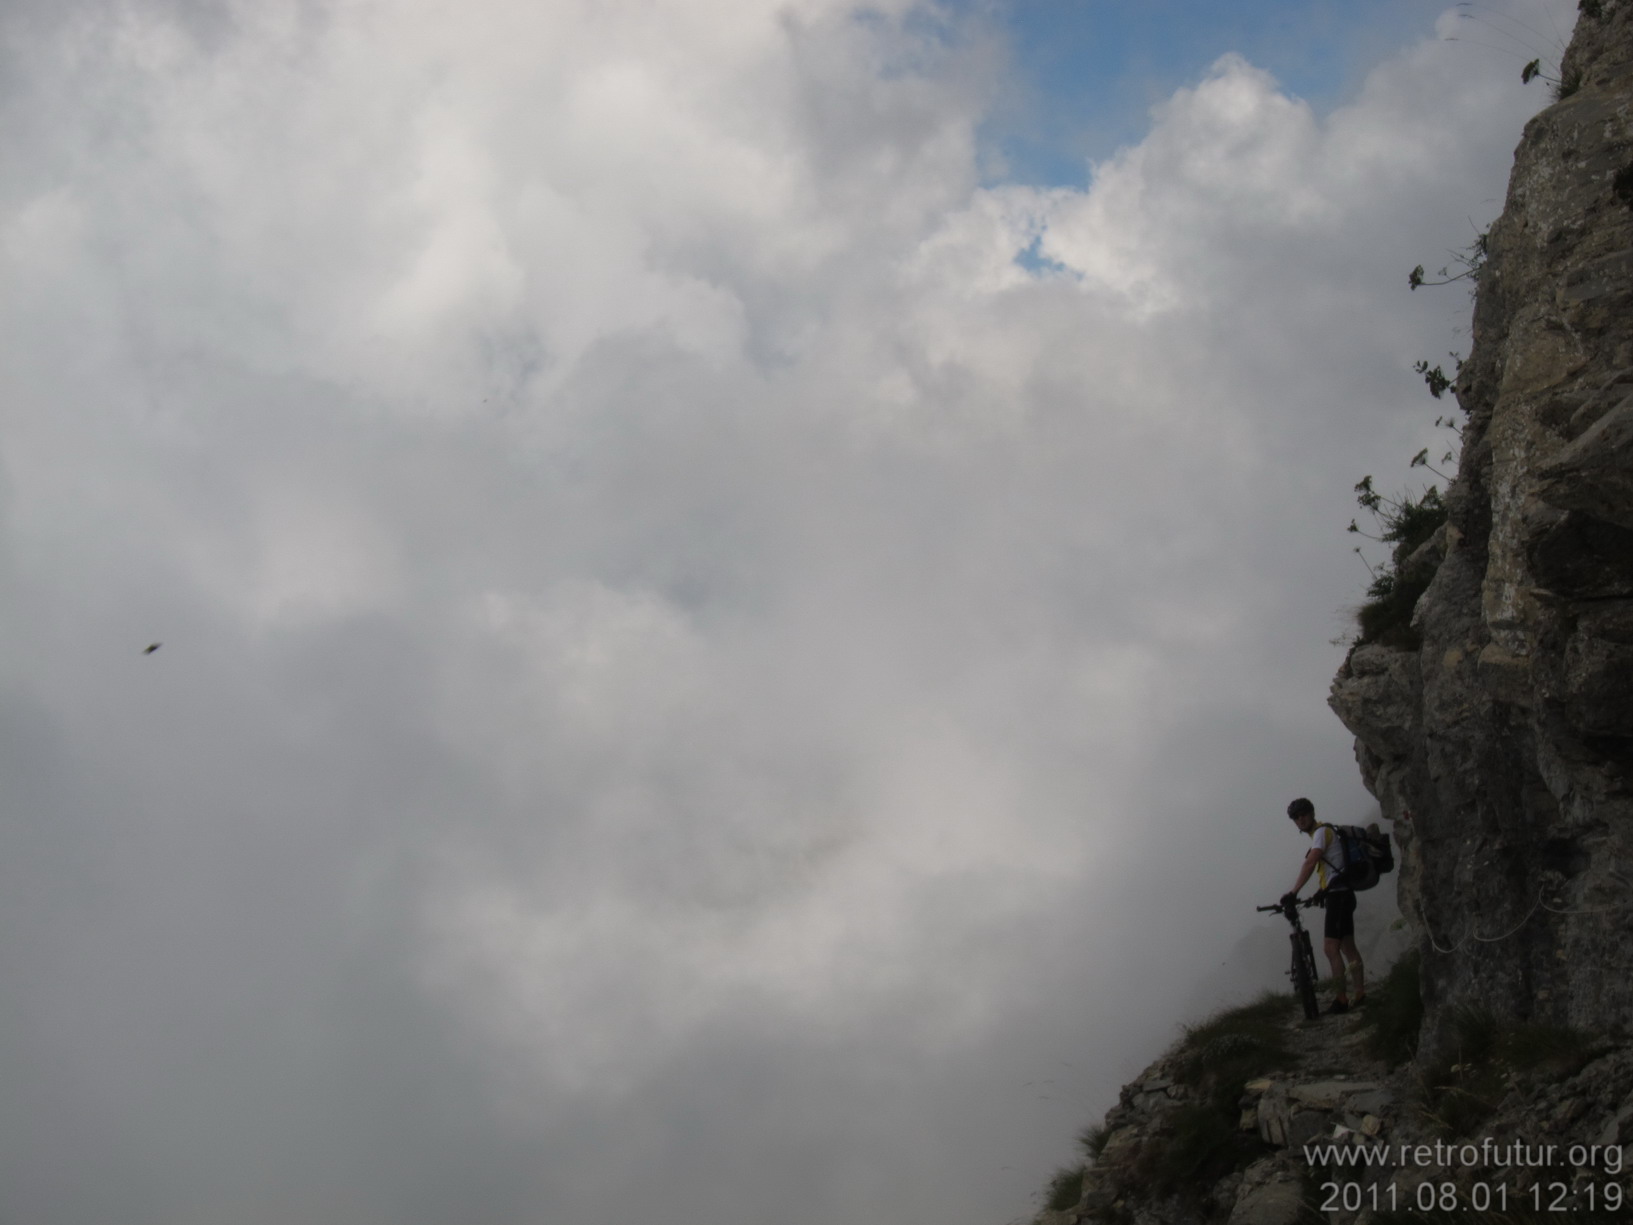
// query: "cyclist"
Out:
[1326,859]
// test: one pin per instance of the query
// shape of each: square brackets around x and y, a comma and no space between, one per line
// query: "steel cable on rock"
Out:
[1535,906]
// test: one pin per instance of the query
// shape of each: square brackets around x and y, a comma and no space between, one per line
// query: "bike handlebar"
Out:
[1305,902]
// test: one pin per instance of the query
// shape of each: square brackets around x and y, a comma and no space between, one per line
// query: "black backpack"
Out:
[1367,855]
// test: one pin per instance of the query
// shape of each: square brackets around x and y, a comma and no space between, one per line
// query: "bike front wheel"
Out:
[1303,975]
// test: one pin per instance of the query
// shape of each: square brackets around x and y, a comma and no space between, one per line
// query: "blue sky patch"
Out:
[1086,73]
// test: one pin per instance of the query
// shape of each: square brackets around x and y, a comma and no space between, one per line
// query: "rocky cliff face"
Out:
[1502,749]
[1333,1130]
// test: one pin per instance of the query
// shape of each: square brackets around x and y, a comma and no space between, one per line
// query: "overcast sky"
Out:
[743,585]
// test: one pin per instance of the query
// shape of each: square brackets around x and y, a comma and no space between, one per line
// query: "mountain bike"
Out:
[1303,972]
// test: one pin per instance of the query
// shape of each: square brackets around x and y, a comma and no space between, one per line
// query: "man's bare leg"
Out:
[1331,947]
[1353,956]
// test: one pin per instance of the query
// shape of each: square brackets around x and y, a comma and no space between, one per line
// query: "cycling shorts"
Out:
[1340,914]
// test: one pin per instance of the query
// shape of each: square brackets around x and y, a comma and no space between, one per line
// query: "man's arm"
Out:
[1310,861]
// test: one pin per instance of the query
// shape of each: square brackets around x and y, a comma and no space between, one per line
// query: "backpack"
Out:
[1367,855]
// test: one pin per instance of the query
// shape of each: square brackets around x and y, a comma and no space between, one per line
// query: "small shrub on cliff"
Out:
[1407,523]
[1560,87]
[1472,260]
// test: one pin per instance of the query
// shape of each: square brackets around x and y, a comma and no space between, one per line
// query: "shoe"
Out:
[1337,1006]
[1359,1001]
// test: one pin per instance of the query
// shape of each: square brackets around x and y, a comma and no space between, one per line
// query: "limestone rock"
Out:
[1333,1093]
[1327,1094]
[1373,696]
[1270,1195]
[1370,1100]
[1502,748]
[1275,1116]
[1594,474]
[1618,1128]
[1118,1144]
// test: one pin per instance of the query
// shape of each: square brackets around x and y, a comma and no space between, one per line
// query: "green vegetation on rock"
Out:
[1466,1088]
[1408,524]
[1203,1139]
[1065,1188]
[1394,1012]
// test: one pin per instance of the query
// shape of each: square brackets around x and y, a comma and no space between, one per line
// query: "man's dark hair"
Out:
[1301,807]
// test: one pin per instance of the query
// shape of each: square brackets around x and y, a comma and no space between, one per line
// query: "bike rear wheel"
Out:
[1303,974]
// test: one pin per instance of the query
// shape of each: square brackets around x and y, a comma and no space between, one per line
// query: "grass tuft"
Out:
[1394,1012]
[1461,1092]
[1065,1188]
[1093,1139]
[1202,1141]
[1557,1049]
[1233,1046]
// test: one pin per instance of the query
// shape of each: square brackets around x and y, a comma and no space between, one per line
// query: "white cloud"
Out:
[646,573]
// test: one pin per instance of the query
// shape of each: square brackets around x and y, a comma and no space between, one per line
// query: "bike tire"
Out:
[1309,958]
[1303,974]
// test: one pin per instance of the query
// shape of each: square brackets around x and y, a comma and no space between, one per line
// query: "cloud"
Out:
[704,647]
